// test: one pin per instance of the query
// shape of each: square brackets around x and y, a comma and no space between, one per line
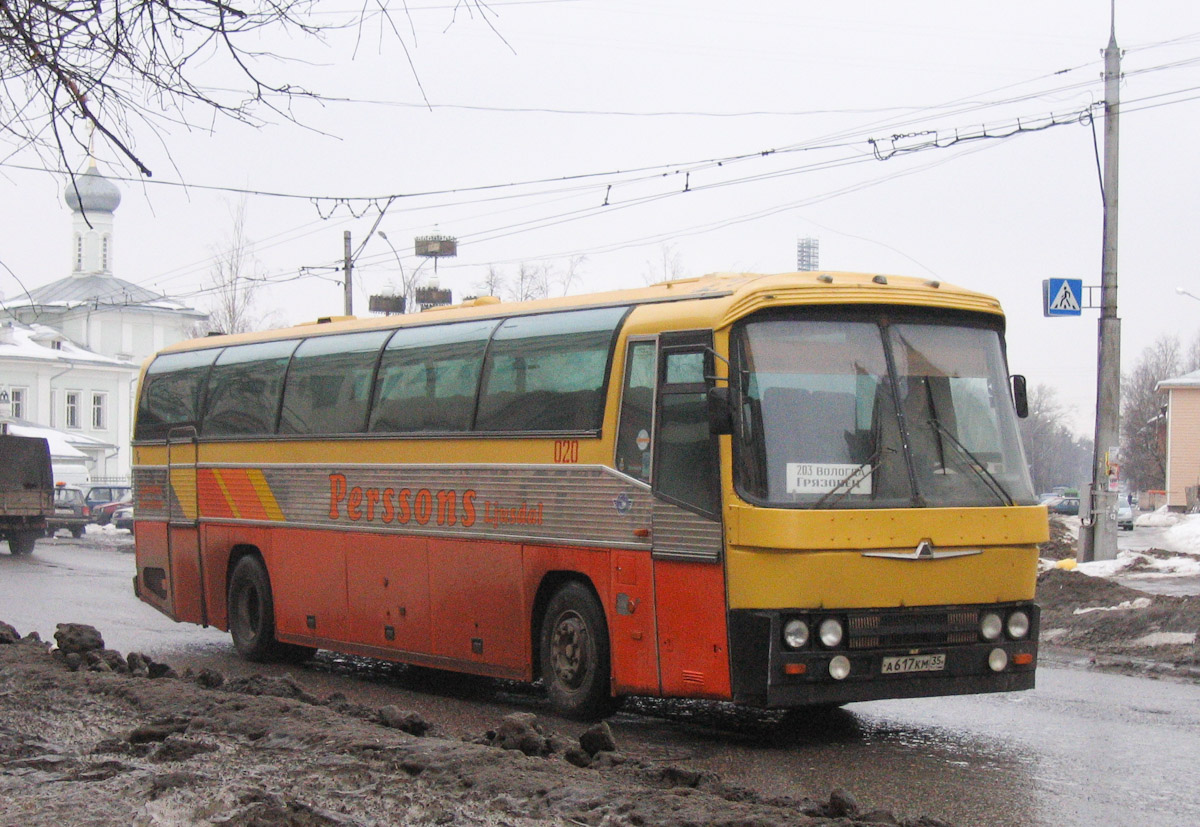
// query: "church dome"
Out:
[92,192]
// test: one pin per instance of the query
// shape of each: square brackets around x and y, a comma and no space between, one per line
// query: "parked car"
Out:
[1064,505]
[71,512]
[96,495]
[102,514]
[1124,512]
[123,518]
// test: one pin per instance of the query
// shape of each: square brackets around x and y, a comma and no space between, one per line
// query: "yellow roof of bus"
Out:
[713,301]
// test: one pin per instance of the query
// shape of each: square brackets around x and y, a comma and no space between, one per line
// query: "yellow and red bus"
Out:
[779,490]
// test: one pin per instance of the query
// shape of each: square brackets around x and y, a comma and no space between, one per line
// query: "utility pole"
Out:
[1098,538]
[347,267]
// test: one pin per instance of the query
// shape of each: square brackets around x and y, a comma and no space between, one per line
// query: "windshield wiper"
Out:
[975,464]
[846,480]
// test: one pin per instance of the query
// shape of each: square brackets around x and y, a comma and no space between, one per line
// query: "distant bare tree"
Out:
[114,63]
[235,283]
[668,266]
[531,281]
[1056,455]
[492,284]
[1143,458]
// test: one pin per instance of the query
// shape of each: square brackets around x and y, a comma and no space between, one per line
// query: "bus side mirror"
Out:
[1020,398]
[720,412]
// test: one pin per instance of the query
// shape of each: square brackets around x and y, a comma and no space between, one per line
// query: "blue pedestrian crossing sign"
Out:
[1062,297]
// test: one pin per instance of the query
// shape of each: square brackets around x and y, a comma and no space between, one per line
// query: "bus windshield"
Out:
[860,413]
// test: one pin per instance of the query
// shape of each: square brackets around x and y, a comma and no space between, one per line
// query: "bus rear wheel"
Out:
[252,616]
[575,657]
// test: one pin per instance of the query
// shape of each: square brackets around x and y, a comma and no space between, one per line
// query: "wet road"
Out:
[1080,749]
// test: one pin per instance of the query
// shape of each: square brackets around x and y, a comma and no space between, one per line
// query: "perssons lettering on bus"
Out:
[404,505]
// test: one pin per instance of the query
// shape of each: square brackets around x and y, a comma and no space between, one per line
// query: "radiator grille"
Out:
[912,628]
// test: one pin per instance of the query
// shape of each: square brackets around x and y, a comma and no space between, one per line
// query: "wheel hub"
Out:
[569,650]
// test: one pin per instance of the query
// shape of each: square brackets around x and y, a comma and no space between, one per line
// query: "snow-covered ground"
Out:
[1172,550]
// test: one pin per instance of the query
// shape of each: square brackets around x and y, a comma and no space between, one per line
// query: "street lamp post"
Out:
[408,283]
[1098,534]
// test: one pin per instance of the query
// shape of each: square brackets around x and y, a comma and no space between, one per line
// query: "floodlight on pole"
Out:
[435,247]
[1183,292]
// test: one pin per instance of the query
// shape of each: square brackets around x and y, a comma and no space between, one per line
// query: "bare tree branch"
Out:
[110,64]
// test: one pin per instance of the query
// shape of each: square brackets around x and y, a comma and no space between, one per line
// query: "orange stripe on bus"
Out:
[214,502]
[242,494]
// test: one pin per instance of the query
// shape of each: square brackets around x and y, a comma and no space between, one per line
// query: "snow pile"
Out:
[1124,605]
[1162,518]
[1144,563]
[1183,536]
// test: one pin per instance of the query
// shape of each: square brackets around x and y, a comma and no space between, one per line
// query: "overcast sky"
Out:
[618,112]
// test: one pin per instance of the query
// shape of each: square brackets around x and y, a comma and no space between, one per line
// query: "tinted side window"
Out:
[171,392]
[428,378]
[548,372]
[244,387]
[637,411]
[685,455]
[328,388]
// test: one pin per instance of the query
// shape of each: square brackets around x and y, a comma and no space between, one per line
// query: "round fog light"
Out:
[1018,625]
[831,632]
[839,668]
[991,626]
[997,660]
[795,633]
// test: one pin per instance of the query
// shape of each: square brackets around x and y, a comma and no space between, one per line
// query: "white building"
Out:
[70,354]
[77,399]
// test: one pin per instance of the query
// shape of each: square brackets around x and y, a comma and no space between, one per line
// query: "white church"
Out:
[70,351]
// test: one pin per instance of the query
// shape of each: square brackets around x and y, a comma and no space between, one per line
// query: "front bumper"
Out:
[767,674]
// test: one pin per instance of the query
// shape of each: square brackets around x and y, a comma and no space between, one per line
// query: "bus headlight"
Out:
[795,633]
[830,632]
[1018,625]
[991,626]
[839,668]
[997,660]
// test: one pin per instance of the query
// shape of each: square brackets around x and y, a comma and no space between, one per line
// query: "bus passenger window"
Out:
[547,372]
[328,386]
[244,388]
[428,377]
[171,392]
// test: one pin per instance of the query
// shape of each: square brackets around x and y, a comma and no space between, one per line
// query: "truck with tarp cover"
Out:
[26,490]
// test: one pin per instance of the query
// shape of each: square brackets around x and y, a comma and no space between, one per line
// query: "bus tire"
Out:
[575,657]
[252,616]
[22,542]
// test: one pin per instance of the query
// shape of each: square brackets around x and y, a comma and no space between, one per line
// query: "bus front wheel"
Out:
[575,655]
[252,616]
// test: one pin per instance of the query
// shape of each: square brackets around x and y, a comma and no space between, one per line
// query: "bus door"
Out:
[185,565]
[686,523]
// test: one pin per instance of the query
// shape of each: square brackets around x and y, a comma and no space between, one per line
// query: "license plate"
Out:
[914,663]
